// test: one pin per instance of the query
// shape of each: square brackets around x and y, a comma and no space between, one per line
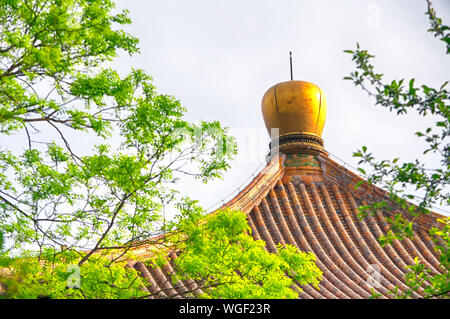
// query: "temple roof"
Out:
[304,198]
[309,201]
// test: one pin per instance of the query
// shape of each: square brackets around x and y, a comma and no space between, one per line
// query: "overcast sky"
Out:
[219,57]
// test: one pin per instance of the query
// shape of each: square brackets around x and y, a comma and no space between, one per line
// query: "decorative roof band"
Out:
[298,143]
[297,137]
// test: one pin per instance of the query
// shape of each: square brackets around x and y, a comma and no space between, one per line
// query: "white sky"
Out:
[219,57]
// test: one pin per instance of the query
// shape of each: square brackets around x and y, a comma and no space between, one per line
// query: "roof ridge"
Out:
[349,179]
[258,187]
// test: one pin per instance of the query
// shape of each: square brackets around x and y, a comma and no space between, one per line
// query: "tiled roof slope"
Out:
[309,201]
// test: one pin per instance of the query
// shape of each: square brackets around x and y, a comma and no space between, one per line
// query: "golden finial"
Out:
[298,109]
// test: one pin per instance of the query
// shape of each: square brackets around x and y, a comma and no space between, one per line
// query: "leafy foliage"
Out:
[55,92]
[57,276]
[219,251]
[49,193]
[431,185]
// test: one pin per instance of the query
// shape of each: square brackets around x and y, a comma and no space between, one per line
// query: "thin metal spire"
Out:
[290,60]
